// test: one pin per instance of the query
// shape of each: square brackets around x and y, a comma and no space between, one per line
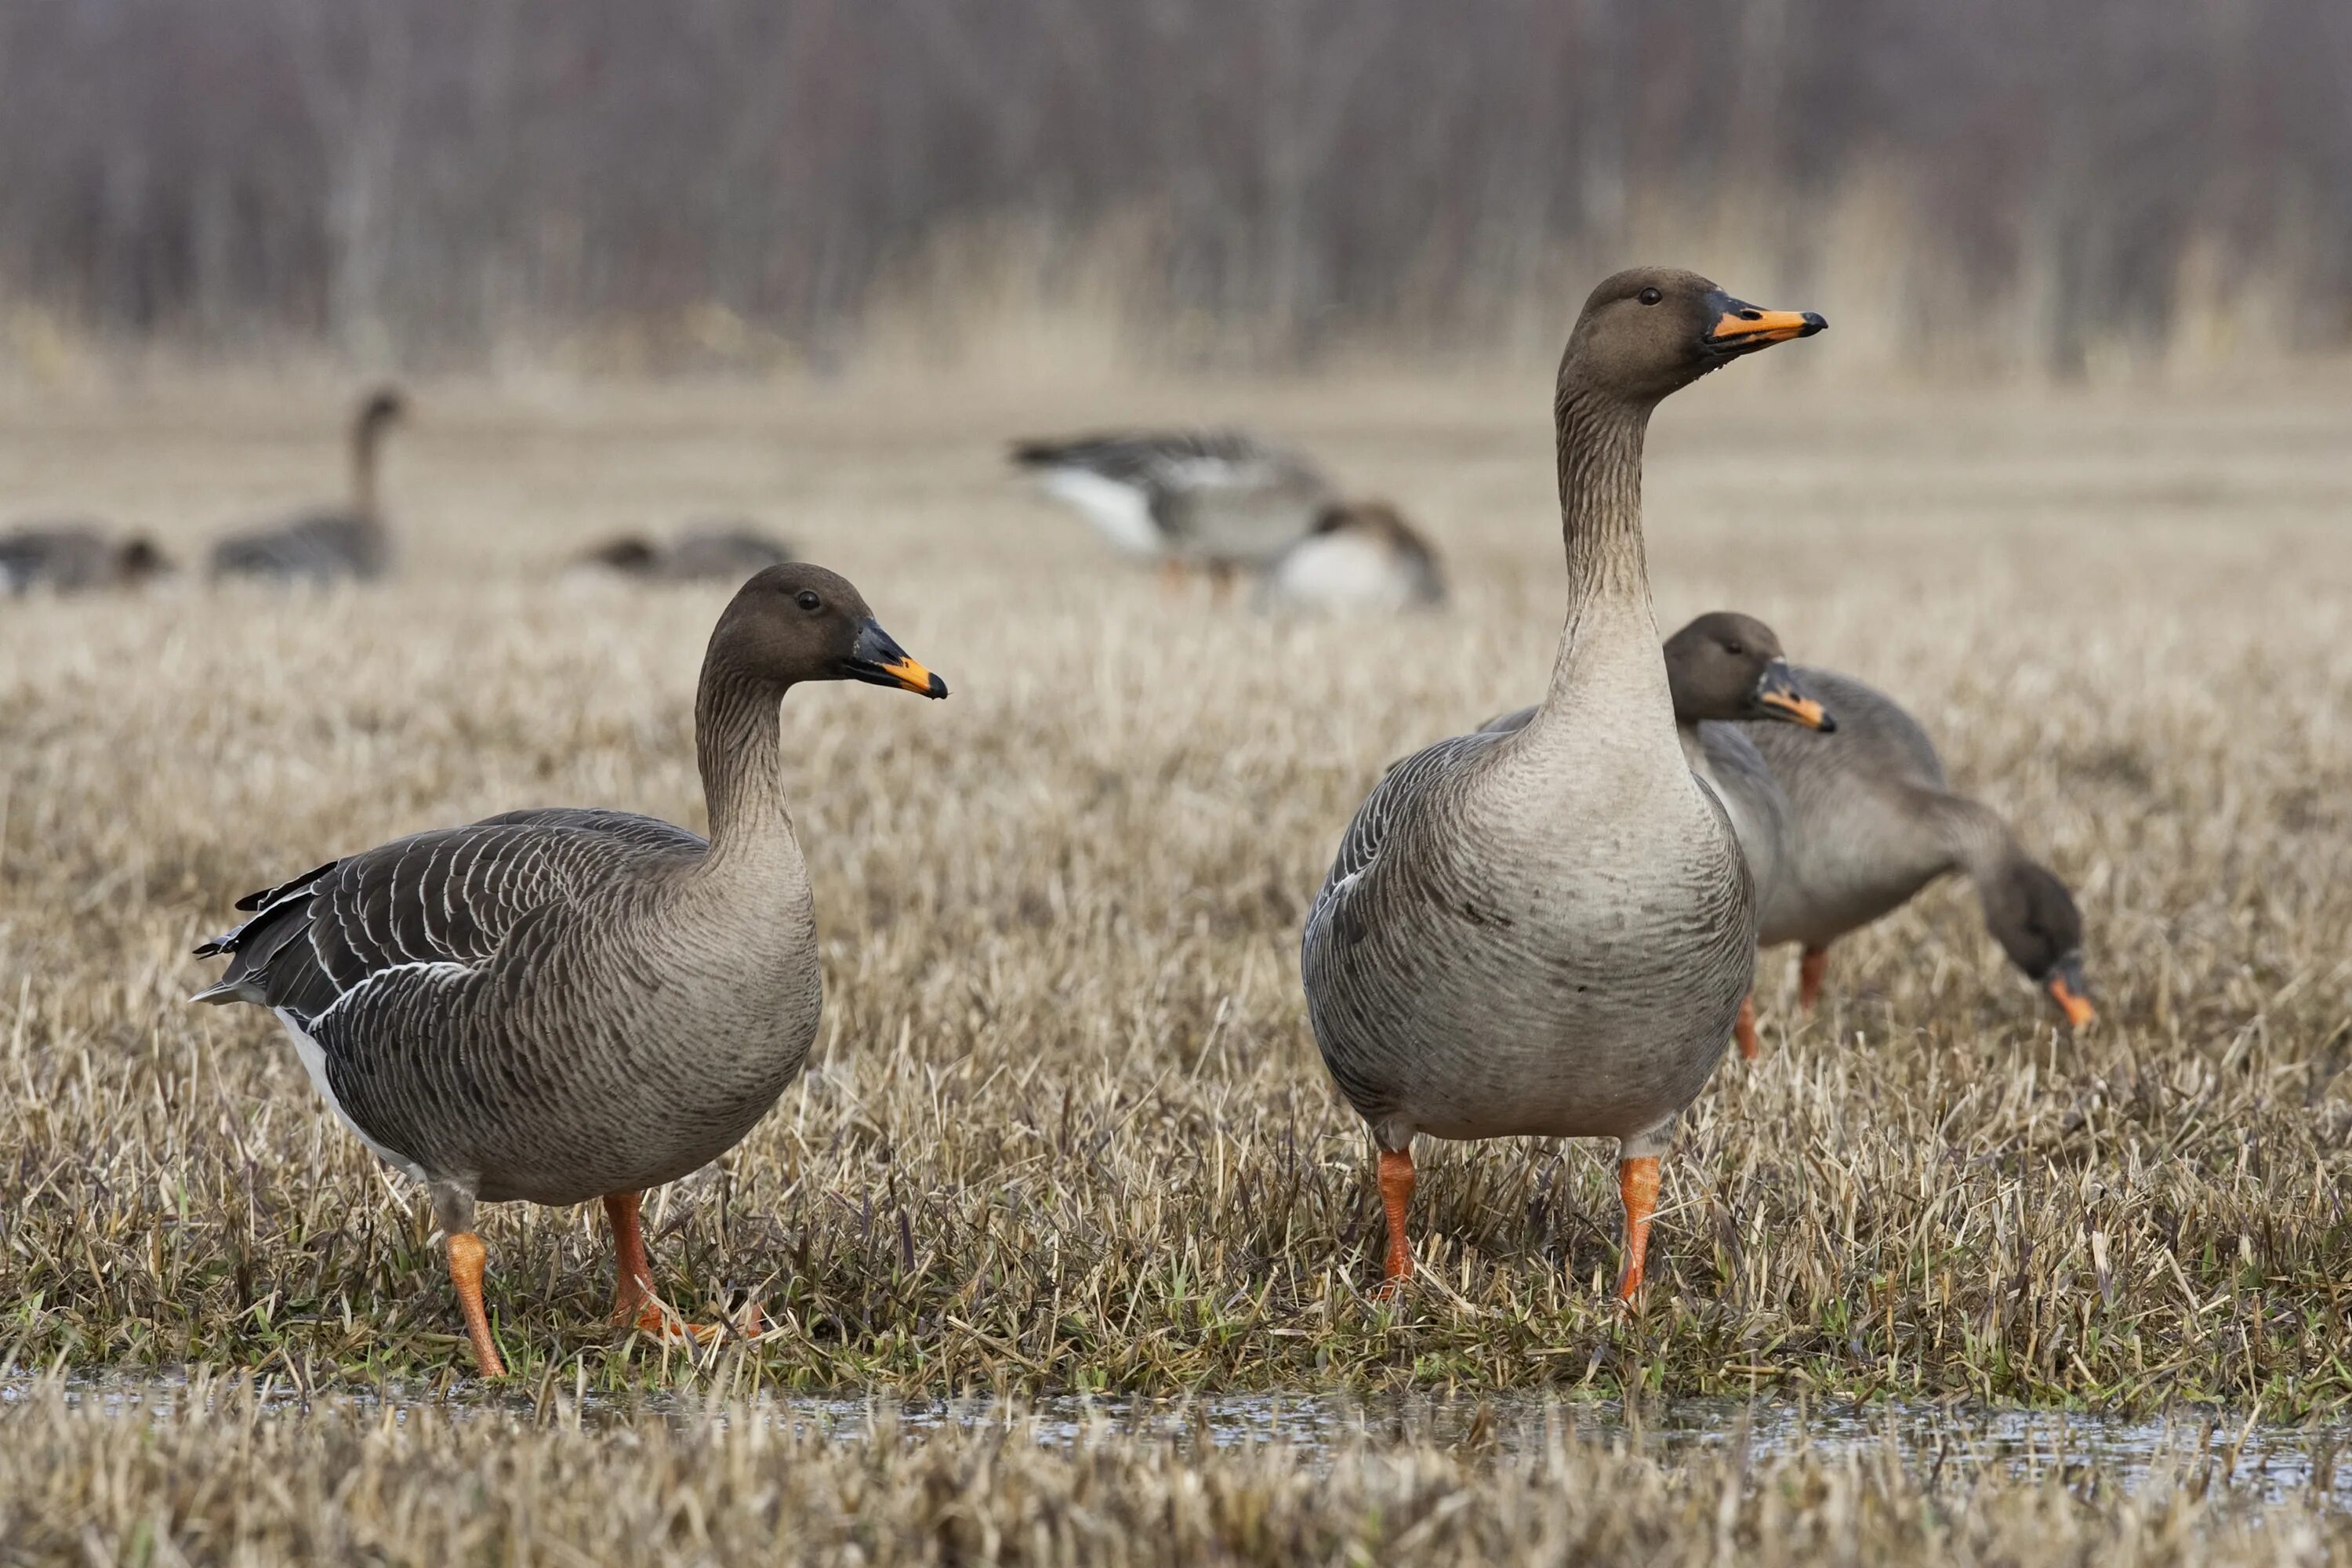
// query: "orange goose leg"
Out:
[1396,1195]
[1744,1031]
[633,1301]
[466,1254]
[1637,1186]
[1810,971]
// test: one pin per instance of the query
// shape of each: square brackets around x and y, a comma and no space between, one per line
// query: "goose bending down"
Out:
[1548,930]
[1721,668]
[699,553]
[349,541]
[1361,556]
[566,1004]
[76,557]
[1871,820]
[1219,498]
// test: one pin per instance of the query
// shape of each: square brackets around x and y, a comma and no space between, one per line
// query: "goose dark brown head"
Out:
[385,406]
[1729,666]
[1651,331]
[2033,917]
[798,621]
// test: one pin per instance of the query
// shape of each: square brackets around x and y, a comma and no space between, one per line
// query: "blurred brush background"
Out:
[2105,188]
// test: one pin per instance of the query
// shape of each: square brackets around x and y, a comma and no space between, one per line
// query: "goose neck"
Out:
[736,748]
[363,462]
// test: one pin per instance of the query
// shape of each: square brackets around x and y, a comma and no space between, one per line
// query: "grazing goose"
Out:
[1219,498]
[566,1004]
[1548,930]
[1873,821]
[700,553]
[1721,668]
[75,557]
[1361,556]
[346,541]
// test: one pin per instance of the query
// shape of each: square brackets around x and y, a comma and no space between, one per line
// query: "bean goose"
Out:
[1549,932]
[76,557]
[1361,556]
[346,541]
[1222,499]
[699,553]
[1873,821]
[566,1004]
[1721,668]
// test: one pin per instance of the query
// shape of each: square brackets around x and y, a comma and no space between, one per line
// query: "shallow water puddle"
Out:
[2271,1460]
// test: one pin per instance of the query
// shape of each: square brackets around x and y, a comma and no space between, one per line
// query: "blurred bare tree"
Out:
[434,178]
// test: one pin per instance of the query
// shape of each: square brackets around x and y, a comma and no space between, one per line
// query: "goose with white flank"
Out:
[338,542]
[1549,932]
[1362,557]
[565,1003]
[1723,667]
[1873,820]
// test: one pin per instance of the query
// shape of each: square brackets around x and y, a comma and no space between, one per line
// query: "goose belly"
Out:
[1597,1013]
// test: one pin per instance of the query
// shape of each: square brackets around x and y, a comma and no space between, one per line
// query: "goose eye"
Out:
[1650,296]
[1734,650]
[808,600]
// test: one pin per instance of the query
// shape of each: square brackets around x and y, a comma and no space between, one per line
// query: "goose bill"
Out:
[2066,988]
[879,660]
[1777,693]
[1741,328]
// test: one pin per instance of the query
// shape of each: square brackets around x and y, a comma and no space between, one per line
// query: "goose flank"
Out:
[564,1004]
[1548,930]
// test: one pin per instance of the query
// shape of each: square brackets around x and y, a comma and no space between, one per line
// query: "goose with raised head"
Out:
[709,552]
[1222,499]
[1361,557]
[1873,820]
[346,541]
[76,557]
[1548,930]
[1721,668]
[565,1003]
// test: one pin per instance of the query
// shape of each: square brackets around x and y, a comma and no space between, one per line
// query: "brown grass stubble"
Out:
[1067,1127]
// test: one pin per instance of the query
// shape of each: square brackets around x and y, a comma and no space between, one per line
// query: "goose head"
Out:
[138,558]
[631,554]
[383,407]
[1651,331]
[2032,915]
[797,621]
[1729,666]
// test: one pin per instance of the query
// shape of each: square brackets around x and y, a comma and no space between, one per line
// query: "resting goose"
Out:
[699,553]
[76,557]
[1548,930]
[346,541]
[566,1004]
[1721,668]
[1873,821]
[1362,556]
[1220,499]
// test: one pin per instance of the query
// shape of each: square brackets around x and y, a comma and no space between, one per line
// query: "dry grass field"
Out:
[1067,1128]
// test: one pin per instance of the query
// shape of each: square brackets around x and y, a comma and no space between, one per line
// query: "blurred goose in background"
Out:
[76,557]
[1721,668]
[1548,930]
[566,1004]
[1362,556]
[349,541]
[718,551]
[1873,821]
[1220,500]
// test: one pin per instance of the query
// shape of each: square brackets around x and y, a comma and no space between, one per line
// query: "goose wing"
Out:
[1404,783]
[313,548]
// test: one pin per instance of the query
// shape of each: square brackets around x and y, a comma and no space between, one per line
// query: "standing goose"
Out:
[1218,499]
[1548,930]
[346,541]
[1361,556]
[1873,821]
[566,1004]
[76,557]
[1721,668]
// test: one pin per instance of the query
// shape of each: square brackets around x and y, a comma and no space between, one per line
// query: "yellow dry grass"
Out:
[1067,1127]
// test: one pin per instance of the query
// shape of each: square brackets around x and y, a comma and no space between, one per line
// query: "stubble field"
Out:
[1067,1129]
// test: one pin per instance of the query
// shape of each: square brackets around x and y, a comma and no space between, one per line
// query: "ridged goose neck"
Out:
[736,731]
[1976,838]
[366,434]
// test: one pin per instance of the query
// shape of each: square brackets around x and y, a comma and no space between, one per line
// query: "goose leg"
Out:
[1810,971]
[1637,1188]
[633,1301]
[455,1211]
[1744,1031]
[1174,578]
[1396,1197]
